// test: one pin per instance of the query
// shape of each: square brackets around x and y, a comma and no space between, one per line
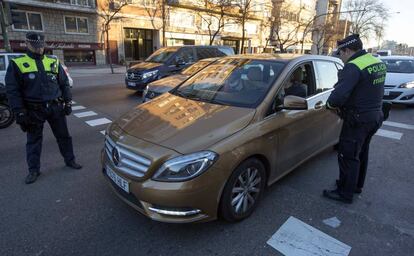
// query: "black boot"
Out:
[32,177]
[72,164]
[335,195]
[356,190]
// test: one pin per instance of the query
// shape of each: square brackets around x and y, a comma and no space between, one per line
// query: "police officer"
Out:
[38,91]
[358,98]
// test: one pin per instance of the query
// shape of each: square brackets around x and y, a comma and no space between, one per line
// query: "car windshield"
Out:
[191,70]
[233,82]
[399,66]
[161,55]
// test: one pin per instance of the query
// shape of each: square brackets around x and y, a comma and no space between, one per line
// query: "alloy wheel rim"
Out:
[246,190]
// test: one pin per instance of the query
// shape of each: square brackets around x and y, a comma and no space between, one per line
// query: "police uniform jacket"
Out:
[360,86]
[36,79]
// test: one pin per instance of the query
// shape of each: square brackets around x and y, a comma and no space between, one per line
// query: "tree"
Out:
[158,9]
[326,33]
[214,16]
[108,12]
[288,25]
[369,20]
[246,10]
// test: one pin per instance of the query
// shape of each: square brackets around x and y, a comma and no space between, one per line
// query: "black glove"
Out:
[68,108]
[22,118]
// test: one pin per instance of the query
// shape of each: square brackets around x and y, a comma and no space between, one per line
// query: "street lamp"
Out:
[318,16]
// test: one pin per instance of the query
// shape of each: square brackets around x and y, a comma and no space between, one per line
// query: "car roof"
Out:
[400,57]
[283,57]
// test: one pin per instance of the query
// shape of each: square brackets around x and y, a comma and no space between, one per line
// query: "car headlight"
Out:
[185,167]
[408,85]
[145,91]
[149,74]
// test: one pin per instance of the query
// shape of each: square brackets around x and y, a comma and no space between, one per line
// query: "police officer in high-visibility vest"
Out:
[357,97]
[38,91]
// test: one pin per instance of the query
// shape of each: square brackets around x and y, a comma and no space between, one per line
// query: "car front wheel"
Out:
[243,190]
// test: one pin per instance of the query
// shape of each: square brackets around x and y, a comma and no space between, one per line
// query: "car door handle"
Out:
[319,105]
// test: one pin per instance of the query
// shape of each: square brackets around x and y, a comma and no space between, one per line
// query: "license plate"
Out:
[131,84]
[121,182]
[386,93]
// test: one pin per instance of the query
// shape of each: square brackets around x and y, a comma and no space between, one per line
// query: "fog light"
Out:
[174,211]
[409,97]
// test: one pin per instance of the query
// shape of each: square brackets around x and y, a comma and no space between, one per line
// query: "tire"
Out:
[6,116]
[240,194]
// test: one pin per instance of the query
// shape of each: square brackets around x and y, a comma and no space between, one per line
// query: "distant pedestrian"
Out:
[358,98]
[38,91]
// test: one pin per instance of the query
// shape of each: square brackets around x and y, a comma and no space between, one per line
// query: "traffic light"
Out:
[14,15]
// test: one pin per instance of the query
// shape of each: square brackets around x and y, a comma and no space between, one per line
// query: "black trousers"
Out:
[56,118]
[353,153]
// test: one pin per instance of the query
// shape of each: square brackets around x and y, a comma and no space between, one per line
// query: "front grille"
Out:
[389,86]
[134,76]
[128,162]
[392,95]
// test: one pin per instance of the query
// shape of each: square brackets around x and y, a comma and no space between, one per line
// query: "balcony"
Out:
[87,6]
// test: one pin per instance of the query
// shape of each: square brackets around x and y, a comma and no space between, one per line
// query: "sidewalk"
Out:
[83,71]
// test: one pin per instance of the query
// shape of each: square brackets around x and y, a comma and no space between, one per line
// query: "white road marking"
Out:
[99,121]
[296,238]
[78,107]
[389,134]
[85,114]
[399,125]
[103,132]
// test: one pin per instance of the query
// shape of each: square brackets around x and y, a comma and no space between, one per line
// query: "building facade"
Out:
[70,28]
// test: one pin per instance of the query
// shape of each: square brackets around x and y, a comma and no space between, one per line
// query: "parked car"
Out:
[168,61]
[210,146]
[5,59]
[399,82]
[166,84]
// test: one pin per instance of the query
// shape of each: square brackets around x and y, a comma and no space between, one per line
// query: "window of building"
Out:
[28,21]
[79,57]
[138,43]
[182,19]
[144,3]
[76,2]
[78,25]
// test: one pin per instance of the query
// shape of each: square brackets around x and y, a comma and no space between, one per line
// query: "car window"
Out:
[226,50]
[2,63]
[204,53]
[327,75]
[191,70]
[185,54]
[235,82]
[399,66]
[162,55]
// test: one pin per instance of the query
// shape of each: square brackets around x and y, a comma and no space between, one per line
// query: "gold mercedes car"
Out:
[210,146]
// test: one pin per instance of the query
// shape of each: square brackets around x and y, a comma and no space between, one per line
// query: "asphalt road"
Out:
[74,212]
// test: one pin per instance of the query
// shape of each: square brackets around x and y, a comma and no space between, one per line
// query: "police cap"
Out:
[37,40]
[352,42]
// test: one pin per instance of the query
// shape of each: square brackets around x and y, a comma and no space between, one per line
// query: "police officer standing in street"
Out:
[357,97]
[38,91]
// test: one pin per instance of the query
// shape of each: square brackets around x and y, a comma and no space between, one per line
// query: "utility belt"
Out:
[355,117]
[41,105]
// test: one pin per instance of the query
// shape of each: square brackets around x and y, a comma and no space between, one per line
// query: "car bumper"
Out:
[136,85]
[399,96]
[172,202]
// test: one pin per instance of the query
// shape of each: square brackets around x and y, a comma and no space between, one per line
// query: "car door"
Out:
[329,122]
[3,68]
[295,131]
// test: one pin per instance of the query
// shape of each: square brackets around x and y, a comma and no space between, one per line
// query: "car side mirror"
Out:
[294,103]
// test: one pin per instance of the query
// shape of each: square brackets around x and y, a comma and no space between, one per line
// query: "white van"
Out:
[5,60]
